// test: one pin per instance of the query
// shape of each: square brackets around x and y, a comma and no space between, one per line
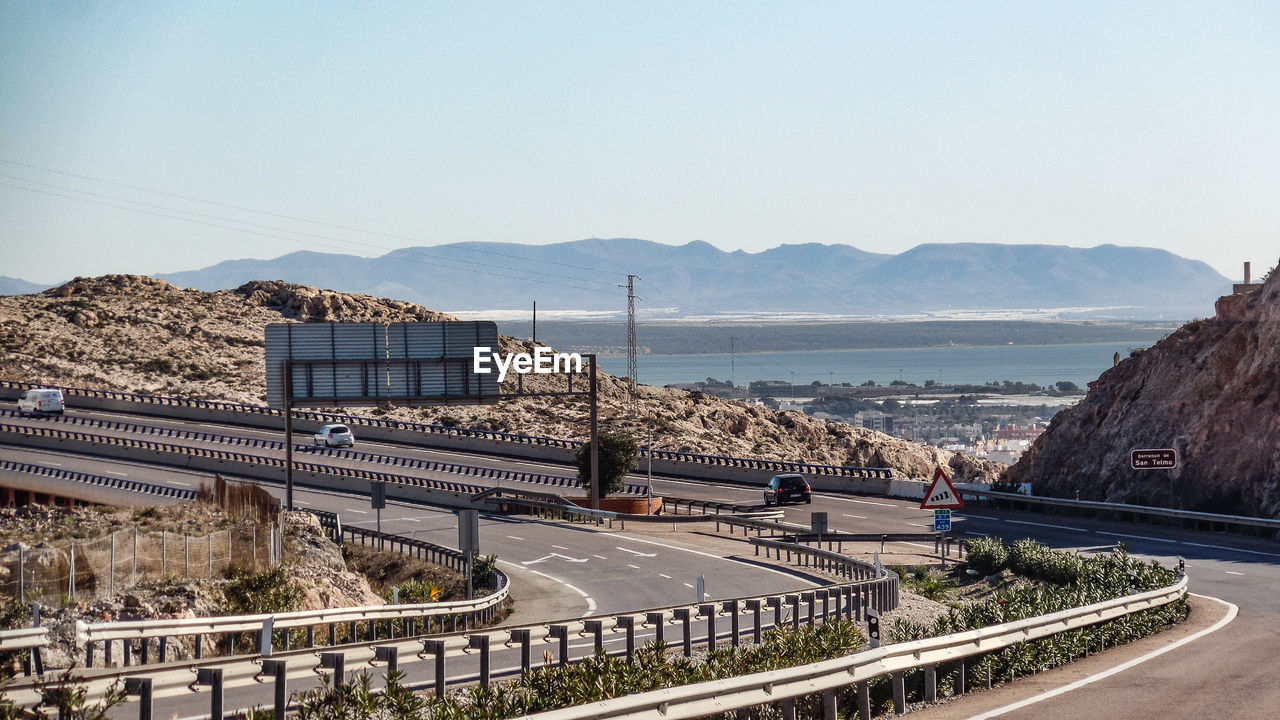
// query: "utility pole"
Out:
[535,322]
[631,340]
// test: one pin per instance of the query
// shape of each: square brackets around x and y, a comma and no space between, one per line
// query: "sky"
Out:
[149,137]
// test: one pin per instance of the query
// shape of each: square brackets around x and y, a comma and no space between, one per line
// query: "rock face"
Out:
[137,334]
[1211,391]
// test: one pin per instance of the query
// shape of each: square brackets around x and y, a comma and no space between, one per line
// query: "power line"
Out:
[284,216]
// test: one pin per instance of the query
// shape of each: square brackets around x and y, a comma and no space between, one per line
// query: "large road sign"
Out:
[1154,459]
[941,494]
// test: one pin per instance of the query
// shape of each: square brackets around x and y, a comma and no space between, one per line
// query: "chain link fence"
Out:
[74,570]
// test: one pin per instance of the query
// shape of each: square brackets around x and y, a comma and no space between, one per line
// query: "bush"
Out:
[250,593]
[986,555]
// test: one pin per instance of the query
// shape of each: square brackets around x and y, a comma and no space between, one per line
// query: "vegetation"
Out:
[599,677]
[1068,581]
[618,457]
[250,593]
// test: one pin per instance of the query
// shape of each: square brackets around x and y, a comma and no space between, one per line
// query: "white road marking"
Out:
[1239,550]
[920,524]
[1139,537]
[862,502]
[664,576]
[559,547]
[591,604]
[688,585]
[860,517]
[980,517]
[362,512]
[637,552]
[513,537]
[553,555]
[410,519]
[301,502]
[113,472]
[914,544]
[1232,610]
[1233,572]
[1057,527]
[179,482]
[600,556]
[633,567]
[51,464]
[718,557]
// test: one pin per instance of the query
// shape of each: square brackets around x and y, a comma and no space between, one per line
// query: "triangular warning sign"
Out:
[941,494]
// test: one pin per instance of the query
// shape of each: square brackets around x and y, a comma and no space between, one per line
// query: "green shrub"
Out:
[987,555]
[250,593]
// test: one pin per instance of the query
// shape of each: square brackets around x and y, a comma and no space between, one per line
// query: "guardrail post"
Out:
[788,708]
[264,637]
[847,598]
[899,693]
[163,650]
[754,606]
[142,688]
[864,700]
[776,604]
[961,679]
[278,670]
[829,705]
[436,648]
[389,655]
[199,652]
[794,602]
[682,614]
[731,607]
[628,623]
[596,628]
[481,643]
[337,662]
[657,620]
[809,600]
[709,611]
[826,604]
[522,636]
[930,683]
[560,633]
[213,678]
[126,647]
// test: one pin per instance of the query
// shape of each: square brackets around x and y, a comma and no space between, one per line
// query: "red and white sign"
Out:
[941,494]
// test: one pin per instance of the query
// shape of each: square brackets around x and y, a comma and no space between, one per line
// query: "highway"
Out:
[564,572]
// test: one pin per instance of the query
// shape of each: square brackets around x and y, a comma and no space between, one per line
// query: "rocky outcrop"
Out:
[137,334]
[1210,390]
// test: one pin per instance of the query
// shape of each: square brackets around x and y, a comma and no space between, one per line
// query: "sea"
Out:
[1042,365]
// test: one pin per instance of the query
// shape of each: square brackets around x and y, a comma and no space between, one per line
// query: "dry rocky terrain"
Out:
[1210,390]
[134,333]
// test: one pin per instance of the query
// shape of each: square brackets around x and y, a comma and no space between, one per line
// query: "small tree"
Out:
[618,456]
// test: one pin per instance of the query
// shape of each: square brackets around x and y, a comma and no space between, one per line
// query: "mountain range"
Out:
[698,278]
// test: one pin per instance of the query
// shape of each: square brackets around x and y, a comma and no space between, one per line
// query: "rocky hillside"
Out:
[138,334]
[1211,390]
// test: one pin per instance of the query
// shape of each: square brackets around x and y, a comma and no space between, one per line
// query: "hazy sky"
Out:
[744,124]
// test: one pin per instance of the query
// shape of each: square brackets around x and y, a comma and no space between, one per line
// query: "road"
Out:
[577,570]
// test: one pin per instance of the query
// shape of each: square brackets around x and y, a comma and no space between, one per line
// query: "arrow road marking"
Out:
[553,555]
[637,552]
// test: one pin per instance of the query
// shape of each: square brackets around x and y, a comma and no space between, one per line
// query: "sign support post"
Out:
[595,437]
[288,434]
[941,497]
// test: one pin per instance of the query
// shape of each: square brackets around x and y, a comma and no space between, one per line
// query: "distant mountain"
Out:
[700,278]
[14,286]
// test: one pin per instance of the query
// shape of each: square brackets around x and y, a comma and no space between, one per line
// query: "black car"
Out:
[787,488]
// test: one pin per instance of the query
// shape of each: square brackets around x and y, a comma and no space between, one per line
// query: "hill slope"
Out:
[1211,391]
[138,334]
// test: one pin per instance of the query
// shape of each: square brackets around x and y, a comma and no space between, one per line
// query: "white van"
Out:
[40,400]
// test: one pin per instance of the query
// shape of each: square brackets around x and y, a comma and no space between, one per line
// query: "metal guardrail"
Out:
[748,691]
[23,639]
[160,401]
[1136,511]
[498,474]
[115,483]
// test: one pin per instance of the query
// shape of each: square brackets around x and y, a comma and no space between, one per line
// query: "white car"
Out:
[335,436]
[40,400]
